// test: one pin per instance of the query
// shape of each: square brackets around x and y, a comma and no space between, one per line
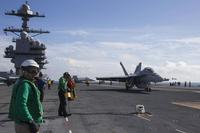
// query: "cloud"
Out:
[79,63]
[123,45]
[180,70]
[101,58]
[191,40]
[83,58]
[100,51]
[82,33]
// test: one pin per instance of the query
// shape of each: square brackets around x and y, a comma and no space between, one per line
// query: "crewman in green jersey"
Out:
[62,89]
[25,107]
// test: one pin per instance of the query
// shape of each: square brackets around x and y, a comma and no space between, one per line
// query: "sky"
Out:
[90,37]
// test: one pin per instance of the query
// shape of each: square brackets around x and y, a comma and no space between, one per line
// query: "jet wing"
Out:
[13,78]
[2,78]
[119,79]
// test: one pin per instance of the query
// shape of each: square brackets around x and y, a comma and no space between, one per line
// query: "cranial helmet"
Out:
[66,74]
[29,62]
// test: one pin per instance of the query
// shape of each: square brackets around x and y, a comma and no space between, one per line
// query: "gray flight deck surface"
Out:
[111,109]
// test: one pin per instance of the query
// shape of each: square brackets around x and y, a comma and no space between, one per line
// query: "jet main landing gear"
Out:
[148,89]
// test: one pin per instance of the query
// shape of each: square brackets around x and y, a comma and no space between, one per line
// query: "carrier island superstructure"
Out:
[26,47]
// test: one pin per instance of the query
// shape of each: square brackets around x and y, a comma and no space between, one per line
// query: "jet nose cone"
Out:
[161,79]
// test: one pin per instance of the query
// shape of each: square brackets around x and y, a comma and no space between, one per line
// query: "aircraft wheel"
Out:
[148,89]
[127,88]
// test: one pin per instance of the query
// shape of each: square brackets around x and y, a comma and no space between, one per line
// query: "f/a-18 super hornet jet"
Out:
[140,78]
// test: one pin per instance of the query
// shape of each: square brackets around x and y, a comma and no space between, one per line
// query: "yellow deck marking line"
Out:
[180,131]
[142,117]
[195,105]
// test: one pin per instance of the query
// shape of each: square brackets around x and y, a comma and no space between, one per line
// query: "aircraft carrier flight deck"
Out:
[112,109]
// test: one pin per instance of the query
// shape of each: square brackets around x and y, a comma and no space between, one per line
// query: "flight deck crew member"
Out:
[40,83]
[25,106]
[49,84]
[62,89]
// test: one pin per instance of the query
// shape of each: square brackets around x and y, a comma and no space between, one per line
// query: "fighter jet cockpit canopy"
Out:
[148,70]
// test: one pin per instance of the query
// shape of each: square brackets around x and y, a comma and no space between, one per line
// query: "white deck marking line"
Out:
[143,117]
[180,131]
[67,124]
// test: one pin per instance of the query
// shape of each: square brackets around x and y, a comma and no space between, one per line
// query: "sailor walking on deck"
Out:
[62,89]
[25,107]
[40,83]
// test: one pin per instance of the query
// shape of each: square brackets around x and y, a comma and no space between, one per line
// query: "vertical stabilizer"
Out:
[138,68]
[125,72]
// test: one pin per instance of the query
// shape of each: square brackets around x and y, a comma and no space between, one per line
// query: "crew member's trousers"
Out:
[22,128]
[62,107]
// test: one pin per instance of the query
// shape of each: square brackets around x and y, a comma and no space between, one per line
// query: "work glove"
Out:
[34,127]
